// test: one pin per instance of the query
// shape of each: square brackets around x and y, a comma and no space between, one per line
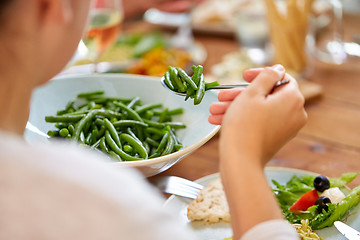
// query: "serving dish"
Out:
[47,99]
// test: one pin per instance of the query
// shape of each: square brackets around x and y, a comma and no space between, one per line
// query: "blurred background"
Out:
[316,40]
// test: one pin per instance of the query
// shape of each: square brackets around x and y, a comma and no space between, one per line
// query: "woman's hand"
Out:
[256,123]
[259,120]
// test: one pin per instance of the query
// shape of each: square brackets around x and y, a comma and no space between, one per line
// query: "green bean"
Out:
[123,155]
[129,131]
[63,118]
[87,127]
[128,148]
[83,121]
[138,147]
[155,131]
[133,102]
[96,144]
[163,115]
[211,84]
[64,132]
[168,82]
[67,108]
[100,121]
[91,105]
[89,94]
[147,107]
[134,115]
[177,140]
[163,143]
[71,129]
[169,146]
[152,142]
[177,147]
[127,123]
[61,125]
[186,78]
[175,125]
[140,132]
[103,146]
[94,135]
[176,80]
[189,93]
[176,111]
[112,131]
[148,115]
[109,113]
[199,95]
[82,137]
[53,133]
[88,139]
[147,147]
[101,132]
[198,72]
[154,124]
[115,156]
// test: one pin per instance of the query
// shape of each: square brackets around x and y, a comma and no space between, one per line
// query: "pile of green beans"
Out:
[125,129]
[194,87]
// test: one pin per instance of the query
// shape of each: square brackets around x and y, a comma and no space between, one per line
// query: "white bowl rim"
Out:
[181,153]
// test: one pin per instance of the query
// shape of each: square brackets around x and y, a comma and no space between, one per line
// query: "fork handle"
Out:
[230,86]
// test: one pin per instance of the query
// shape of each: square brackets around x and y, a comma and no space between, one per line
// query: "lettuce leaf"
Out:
[290,192]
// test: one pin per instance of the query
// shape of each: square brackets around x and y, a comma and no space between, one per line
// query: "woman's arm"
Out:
[256,123]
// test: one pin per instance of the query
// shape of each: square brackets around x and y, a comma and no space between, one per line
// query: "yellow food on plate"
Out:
[156,61]
[305,232]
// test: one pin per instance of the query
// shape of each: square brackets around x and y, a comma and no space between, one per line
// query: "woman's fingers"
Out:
[250,74]
[215,119]
[219,107]
[217,111]
[229,94]
[266,80]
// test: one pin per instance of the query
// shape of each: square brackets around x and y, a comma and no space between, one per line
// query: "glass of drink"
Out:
[252,31]
[103,28]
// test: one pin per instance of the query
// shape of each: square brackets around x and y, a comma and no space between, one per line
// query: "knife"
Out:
[347,231]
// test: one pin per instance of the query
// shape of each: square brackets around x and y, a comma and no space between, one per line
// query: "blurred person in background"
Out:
[63,192]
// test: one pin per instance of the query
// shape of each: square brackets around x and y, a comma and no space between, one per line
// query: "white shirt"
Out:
[59,191]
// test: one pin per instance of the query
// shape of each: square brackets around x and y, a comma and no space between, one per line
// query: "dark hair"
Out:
[3,4]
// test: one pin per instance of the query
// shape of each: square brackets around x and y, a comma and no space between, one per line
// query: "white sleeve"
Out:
[142,213]
[272,230]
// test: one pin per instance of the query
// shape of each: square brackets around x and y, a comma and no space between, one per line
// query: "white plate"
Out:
[219,231]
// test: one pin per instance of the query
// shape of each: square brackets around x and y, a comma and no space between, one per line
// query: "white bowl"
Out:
[53,96]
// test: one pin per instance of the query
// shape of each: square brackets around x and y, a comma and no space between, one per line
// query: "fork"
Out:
[177,186]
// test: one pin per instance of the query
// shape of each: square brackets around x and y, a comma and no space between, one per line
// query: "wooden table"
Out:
[329,143]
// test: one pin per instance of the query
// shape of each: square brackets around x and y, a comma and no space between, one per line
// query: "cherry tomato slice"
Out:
[307,200]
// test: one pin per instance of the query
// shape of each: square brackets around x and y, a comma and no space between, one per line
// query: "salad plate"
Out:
[219,231]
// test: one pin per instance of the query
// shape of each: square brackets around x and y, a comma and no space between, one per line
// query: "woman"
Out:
[61,192]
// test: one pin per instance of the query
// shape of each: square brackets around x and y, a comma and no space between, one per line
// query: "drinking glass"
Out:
[104,26]
[333,48]
[252,31]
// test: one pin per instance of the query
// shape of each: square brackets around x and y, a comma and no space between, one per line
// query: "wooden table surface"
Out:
[329,143]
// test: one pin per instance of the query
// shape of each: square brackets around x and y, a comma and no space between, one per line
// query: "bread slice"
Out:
[210,205]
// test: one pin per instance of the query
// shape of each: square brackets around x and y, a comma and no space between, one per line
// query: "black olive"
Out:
[322,201]
[321,183]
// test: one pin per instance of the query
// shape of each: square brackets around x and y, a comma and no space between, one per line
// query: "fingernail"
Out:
[279,68]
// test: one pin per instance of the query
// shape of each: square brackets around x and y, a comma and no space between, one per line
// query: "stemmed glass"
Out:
[104,25]
[335,50]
